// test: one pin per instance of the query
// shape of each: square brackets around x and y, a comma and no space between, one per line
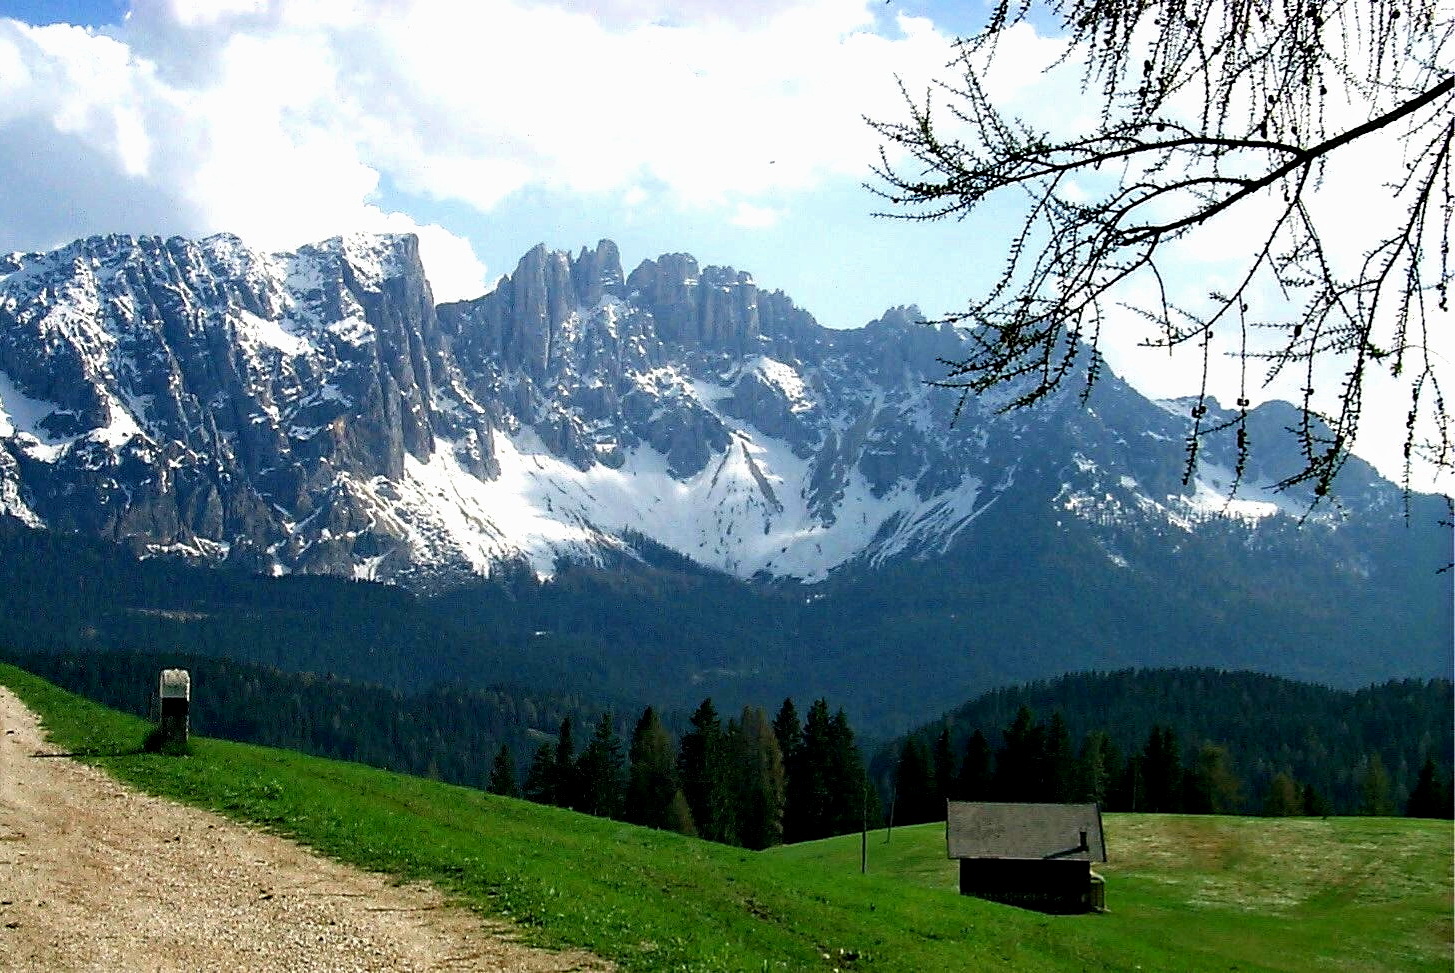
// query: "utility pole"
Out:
[864,829]
[889,827]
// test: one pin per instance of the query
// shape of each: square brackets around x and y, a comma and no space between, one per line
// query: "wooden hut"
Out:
[1036,856]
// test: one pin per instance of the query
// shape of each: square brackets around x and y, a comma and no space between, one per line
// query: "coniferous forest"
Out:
[1198,741]
[1190,741]
[744,781]
[748,781]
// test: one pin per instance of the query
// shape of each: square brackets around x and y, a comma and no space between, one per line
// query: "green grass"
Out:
[1238,893]
[654,901]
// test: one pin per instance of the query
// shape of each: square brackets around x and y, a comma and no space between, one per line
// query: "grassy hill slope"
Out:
[655,901]
[1248,893]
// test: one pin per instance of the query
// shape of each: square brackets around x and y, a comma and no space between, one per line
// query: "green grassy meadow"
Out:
[1185,893]
[1237,892]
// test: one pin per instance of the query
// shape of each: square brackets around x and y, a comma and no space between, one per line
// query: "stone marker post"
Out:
[176,695]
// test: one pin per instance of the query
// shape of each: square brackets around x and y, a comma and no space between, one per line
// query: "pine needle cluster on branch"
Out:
[1210,110]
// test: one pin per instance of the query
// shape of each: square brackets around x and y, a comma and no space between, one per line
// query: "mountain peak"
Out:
[315,411]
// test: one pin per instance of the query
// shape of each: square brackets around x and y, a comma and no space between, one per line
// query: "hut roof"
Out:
[984,830]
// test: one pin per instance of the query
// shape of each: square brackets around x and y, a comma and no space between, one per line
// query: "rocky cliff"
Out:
[316,412]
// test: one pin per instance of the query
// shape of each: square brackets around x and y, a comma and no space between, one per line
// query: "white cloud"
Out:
[751,217]
[494,97]
[455,272]
[283,121]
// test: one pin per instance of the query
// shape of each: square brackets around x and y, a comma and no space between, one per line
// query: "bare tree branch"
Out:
[1209,108]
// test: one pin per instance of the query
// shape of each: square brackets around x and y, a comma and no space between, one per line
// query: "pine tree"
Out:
[809,782]
[599,772]
[943,760]
[705,784]
[1282,798]
[1161,767]
[1019,761]
[1315,805]
[1210,786]
[1130,793]
[652,781]
[679,816]
[914,787]
[502,774]
[1059,764]
[974,780]
[757,766]
[852,798]
[789,731]
[1096,768]
[563,781]
[1374,788]
[540,778]
[1431,796]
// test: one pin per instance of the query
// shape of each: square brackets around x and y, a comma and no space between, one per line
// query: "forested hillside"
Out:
[1188,740]
[1200,740]
[892,648]
[665,634]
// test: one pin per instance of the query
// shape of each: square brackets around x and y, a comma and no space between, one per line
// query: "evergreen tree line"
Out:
[749,782]
[446,733]
[1318,737]
[1039,762]
[797,779]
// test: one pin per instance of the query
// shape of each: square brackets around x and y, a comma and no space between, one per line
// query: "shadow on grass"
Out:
[155,744]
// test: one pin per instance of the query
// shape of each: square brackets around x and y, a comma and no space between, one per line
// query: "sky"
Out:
[734,131]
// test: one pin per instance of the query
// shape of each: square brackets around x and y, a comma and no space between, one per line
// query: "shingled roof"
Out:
[983,830]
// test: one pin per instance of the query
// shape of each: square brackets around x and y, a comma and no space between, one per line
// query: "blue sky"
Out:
[730,130]
[95,13]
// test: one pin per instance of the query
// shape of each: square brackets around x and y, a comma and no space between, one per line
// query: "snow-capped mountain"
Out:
[316,412]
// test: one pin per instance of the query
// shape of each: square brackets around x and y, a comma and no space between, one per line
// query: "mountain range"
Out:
[316,412]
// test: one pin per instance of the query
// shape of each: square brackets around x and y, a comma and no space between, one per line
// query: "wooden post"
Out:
[864,832]
[176,696]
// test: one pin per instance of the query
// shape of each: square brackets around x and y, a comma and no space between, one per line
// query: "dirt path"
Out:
[95,876]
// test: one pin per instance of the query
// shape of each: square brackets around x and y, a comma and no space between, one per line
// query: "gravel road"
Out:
[96,876]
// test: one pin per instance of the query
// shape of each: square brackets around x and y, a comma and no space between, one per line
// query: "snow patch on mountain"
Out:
[785,379]
[1180,407]
[121,427]
[744,513]
[12,502]
[1214,493]
[374,257]
[275,333]
[19,413]
[23,419]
